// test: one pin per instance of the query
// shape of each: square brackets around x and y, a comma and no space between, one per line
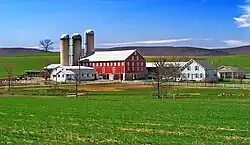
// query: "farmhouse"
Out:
[117,65]
[71,73]
[192,70]
[231,72]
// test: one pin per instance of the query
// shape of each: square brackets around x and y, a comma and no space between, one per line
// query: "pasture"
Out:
[37,62]
[127,114]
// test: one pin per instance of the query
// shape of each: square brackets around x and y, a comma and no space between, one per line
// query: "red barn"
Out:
[117,65]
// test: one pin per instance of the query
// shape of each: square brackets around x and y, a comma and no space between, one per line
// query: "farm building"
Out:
[231,72]
[192,70]
[71,73]
[117,65]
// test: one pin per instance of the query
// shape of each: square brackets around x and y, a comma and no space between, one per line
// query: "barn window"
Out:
[133,57]
[104,64]
[128,68]
[138,63]
[100,64]
[133,63]
[137,57]
[142,69]
[133,68]
[113,70]
[114,63]
[108,64]
[103,69]
[118,63]
[122,63]
[138,69]
[97,64]
[128,63]
[142,64]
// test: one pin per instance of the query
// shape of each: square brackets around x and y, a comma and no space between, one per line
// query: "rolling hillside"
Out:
[38,61]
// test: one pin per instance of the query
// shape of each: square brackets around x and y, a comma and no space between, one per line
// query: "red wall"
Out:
[135,63]
[106,67]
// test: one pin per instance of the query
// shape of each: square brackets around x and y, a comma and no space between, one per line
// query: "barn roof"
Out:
[120,55]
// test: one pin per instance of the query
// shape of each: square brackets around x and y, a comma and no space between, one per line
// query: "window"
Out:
[58,76]
[142,69]
[104,64]
[93,64]
[113,70]
[196,68]
[188,75]
[111,64]
[100,64]
[114,63]
[142,64]
[133,57]
[215,75]
[137,57]
[128,63]
[87,75]
[122,64]
[133,68]
[90,64]
[62,76]
[138,69]
[196,75]
[97,64]
[138,63]
[107,63]
[189,68]
[128,68]
[201,75]
[133,63]
[118,63]
[103,69]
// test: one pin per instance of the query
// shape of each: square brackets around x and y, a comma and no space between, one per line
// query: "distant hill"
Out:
[148,51]
[19,51]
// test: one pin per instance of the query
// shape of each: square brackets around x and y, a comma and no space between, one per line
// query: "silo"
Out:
[89,41]
[76,48]
[64,50]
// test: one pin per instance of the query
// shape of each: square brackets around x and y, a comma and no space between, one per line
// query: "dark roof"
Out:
[205,63]
[230,69]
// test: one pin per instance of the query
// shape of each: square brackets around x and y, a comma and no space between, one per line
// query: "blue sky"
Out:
[203,23]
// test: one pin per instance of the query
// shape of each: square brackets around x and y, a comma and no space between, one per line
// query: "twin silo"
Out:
[76,47]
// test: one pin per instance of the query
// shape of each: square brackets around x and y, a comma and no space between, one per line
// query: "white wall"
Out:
[192,72]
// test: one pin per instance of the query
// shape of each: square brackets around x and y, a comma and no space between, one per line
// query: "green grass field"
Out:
[128,117]
[36,62]
[27,62]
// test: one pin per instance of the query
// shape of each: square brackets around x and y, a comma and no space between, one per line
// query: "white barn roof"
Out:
[109,55]
[54,66]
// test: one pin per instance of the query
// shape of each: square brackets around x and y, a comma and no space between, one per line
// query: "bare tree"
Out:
[164,72]
[44,72]
[9,71]
[46,44]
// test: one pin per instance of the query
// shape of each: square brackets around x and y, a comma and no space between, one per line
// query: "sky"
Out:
[198,23]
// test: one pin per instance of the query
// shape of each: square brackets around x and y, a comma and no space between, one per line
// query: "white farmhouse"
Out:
[60,73]
[199,70]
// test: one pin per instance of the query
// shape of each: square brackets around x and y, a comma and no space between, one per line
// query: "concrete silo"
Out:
[64,50]
[89,41]
[76,48]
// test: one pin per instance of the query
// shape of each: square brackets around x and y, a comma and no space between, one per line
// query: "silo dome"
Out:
[76,36]
[64,36]
[89,31]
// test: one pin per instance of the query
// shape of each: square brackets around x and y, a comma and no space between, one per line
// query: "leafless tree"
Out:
[164,72]
[46,44]
[44,72]
[9,71]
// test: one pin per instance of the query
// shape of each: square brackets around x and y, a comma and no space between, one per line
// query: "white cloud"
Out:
[235,43]
[149,42]
[243,21]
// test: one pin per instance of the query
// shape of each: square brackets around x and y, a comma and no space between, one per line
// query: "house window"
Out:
[133,63]
[189,68]
[58,76]
[201,75]
[137,57]
[196,75]
[197,68]
[188,75]
[62,76]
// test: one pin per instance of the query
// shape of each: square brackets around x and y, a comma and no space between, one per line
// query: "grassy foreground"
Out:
[128,117]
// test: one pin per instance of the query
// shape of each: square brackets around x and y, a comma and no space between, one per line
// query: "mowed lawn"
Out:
[128,117]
